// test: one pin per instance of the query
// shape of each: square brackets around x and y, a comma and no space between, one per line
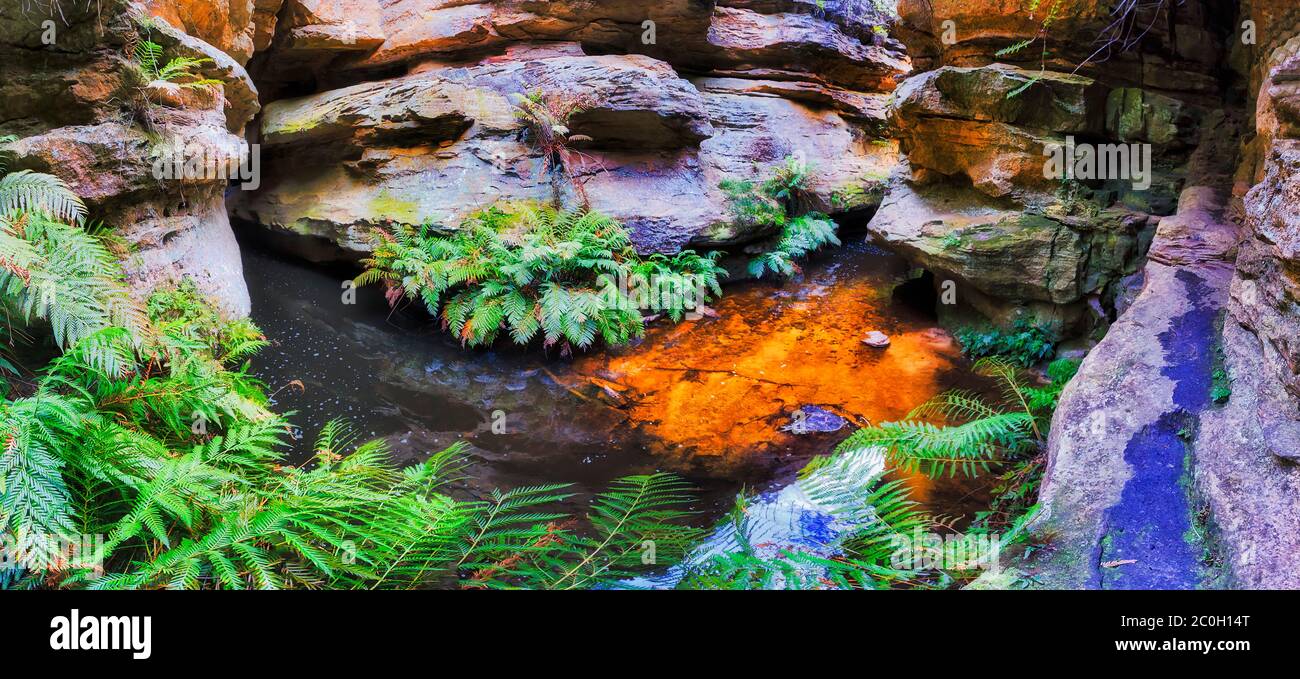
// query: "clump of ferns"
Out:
[781,202]
[881,512]
[546,115]
[978,437]
[532,272]
[53,271]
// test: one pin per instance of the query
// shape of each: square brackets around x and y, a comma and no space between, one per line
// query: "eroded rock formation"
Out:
[82,110]
[1150,484]
[409,117]
[977,122]
[373,112]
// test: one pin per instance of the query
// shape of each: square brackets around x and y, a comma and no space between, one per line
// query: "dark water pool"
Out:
[705,399]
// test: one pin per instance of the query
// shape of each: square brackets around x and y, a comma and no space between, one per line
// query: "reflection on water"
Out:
[706,399]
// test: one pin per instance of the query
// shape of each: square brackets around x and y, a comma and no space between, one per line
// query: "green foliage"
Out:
[147,431]
[1220,380]
[1059,373]
[751,207]
[26,192]
[170,453]
[781,201]
[538,272]
[1221,389]
[183,71]
[1026,343]
[977,434]
[852,493]
[1049,18]
[977,437]
[546,116]
[633,512]
[800,237]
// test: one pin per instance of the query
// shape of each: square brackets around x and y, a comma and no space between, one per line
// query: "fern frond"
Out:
[27,191]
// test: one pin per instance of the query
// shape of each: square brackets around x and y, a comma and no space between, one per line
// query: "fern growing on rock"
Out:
[182,71]
[537,272]
[780,203]
[546,116]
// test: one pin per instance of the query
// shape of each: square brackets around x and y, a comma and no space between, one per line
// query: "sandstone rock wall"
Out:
[974,204]
[1229,325]
[1248,452]
[82,112]
[400,111]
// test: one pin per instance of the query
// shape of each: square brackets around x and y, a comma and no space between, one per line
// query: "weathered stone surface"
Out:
[93,138]
[1180,51]
[335,25]
[1133,114]
[1268,286]
[965,122]
[1250,491]
[754,130]
[454,128]
[231,26]
[1016,259]
[419,29]
[659,145]
[239,95]
[778,40]
[1120,469]
[418,110]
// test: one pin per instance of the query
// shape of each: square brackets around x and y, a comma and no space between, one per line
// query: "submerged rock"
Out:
[813,419]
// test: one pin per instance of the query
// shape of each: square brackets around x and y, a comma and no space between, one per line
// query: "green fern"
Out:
[982,436]
[633,515]
[781,201]
[182,71]
[535,272]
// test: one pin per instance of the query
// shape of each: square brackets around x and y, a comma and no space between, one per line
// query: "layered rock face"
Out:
[401,112]
[1150,484]
[1249,451]
[82,110]
[978,201]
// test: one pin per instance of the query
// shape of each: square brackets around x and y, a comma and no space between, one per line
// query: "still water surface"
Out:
[706,399]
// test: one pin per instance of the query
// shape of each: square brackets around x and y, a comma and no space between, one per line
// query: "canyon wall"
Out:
[1248,451]
[995,88]
[402,111]
[81,109]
